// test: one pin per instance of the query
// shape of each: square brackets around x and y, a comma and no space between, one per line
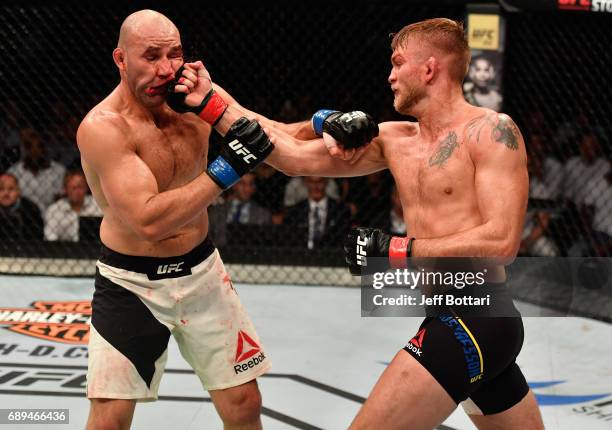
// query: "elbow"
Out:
[148,232]
[291,173]
[507,251]
[285,169]
[147,229]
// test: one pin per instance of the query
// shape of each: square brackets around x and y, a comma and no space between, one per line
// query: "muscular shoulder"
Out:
[489,132]
[100,120]
[486,125]
[103,136]
[395,129]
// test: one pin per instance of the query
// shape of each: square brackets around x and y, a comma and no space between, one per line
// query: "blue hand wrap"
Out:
[319,118]
[223,172]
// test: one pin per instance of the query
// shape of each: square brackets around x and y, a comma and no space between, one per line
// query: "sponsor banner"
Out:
[486,37]
[483,31]
[585,5]
[58,321]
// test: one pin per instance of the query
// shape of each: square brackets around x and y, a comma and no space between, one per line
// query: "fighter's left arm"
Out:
[300,130]
[502,188]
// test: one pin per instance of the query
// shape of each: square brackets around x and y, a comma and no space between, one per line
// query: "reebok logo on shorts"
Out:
[246,349]
[416,343]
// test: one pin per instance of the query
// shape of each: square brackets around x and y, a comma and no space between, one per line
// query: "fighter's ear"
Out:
[431,68]
[119,58]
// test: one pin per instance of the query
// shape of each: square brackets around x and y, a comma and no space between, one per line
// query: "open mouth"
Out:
[158,90]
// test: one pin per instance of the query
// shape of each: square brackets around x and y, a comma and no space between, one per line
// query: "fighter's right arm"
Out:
[130,187]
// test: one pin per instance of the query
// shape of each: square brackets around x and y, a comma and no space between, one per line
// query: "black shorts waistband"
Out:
[159,267]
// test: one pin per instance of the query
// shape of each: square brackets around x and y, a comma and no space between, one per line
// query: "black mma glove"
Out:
[370,250]
[352,129]
[244,147]
[210,110]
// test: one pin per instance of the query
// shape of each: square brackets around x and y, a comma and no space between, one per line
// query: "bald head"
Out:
[145,24]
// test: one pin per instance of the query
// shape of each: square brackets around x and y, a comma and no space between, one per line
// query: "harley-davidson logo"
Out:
[66,322]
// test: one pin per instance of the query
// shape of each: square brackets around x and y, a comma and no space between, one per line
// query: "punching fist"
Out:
[352,129]
[191,91]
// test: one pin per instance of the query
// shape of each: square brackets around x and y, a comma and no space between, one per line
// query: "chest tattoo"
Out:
[444,150]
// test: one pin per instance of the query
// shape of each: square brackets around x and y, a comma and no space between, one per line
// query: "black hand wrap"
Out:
[245,146]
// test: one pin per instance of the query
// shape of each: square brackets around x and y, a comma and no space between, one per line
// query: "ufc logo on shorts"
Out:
[169,268]
[241,150]
[361,253]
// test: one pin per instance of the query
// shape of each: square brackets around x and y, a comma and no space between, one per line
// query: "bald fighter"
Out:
[462,179]
[158,273]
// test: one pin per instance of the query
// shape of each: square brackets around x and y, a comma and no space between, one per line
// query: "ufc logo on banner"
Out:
[169,268]
[361,253]
[242,151]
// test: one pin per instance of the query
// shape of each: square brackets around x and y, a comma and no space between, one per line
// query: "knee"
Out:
[113,415]
[105,423]
[241,405]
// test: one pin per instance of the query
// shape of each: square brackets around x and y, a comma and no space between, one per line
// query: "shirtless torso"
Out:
[468,182]
[171,147]
[442,183]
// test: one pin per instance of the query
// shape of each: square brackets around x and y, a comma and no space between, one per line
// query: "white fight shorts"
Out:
[140,301]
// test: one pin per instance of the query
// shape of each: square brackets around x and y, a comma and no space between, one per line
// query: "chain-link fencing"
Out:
[285,61]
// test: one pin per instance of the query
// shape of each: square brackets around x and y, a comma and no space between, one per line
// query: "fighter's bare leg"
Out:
[110,414]
[239,407]
[524,415]
[405,396]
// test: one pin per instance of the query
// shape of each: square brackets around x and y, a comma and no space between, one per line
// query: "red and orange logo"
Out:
[417,340]
[66,322]
[246,348]
[574,4]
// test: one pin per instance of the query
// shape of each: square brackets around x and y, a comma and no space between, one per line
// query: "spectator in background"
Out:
[62,217]
[241,207]
[297,190]
[40,178]
[545,178]
[19,217]
[545,171]
[583,174]
[10,138]
[325,220]
[217,213]
[571,131]
[535,124]
[62,134]
[480,89]
[598,216]
[368,198]
[270,190]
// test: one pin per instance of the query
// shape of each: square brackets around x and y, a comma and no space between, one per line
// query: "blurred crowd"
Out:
[44,193]
[570,188]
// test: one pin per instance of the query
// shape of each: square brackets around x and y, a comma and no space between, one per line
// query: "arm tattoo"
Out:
[506,132]
[503,130]
[444,151]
